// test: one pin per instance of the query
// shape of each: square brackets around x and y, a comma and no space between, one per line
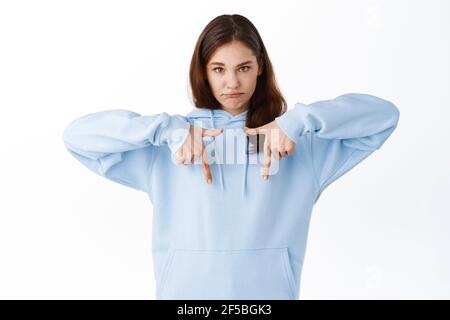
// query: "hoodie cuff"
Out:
[175,133]
[291,123]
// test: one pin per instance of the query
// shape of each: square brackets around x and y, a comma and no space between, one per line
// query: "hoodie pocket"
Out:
[228,274]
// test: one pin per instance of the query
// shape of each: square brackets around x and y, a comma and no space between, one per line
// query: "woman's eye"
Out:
[240,68]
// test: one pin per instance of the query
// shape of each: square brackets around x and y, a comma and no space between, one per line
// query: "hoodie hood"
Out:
[219,118]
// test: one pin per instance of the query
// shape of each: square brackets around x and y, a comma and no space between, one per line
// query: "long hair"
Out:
[267,102]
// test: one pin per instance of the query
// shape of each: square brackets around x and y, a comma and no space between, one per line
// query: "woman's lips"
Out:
[233,95]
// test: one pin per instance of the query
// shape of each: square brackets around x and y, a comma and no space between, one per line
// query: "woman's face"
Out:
[233,69]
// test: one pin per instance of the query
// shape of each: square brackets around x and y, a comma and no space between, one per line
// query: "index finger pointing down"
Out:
[205,166]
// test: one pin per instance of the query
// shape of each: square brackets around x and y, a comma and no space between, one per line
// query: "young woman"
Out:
[239,236]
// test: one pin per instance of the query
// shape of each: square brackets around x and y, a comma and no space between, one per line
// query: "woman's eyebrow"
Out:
[240,64]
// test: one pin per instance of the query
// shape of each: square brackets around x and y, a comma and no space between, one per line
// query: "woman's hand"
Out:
[193,148]
[276,142]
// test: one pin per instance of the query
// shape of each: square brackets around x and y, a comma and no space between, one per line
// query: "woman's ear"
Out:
[260,70]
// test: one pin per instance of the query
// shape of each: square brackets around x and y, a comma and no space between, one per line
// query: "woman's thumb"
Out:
[212,132]
[251,131]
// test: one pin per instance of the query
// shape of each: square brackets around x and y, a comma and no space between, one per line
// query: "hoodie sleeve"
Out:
[343,131]
[119,144]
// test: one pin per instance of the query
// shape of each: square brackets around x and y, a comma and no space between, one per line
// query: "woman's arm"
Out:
[118,144]
[343,131]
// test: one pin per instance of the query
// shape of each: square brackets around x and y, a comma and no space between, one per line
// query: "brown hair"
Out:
[267,102]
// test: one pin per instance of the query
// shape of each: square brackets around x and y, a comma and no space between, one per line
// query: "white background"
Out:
[379,232]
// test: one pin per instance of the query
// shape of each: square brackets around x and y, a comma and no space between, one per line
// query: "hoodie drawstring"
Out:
[211,117]
[244,176]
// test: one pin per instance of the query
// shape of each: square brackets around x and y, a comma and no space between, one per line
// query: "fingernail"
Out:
[209,181]
[266,177]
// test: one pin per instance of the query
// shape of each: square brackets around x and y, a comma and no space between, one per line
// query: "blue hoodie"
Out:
[241,237]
